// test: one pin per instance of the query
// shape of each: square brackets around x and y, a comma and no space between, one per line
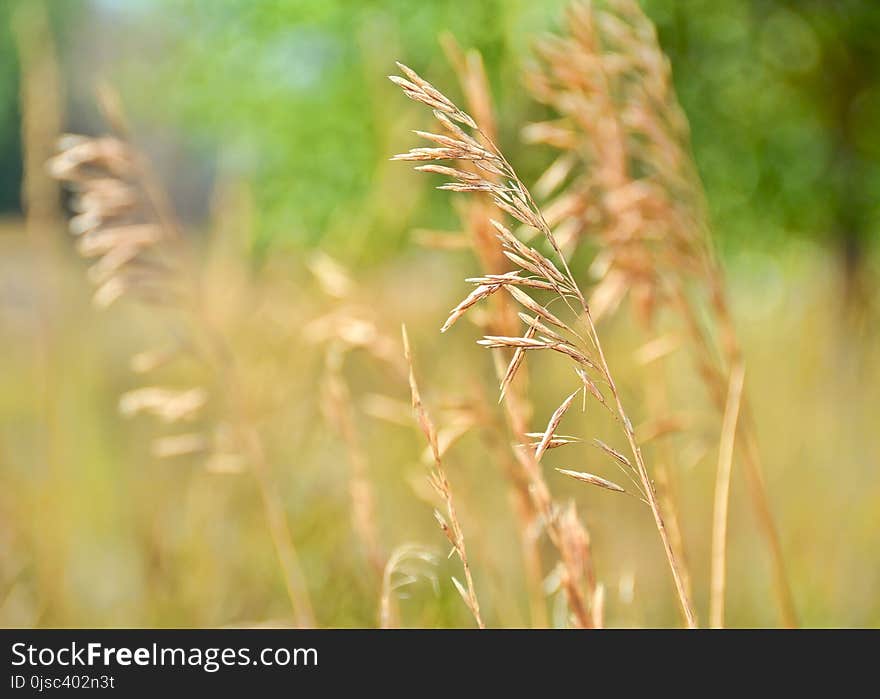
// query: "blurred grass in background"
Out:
[277,116]
[783,99]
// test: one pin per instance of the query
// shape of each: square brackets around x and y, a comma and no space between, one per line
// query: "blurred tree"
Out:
[17,20]
[783,98]
[295,91]
[10,142]
[847,96]
[784,102]
[40,105]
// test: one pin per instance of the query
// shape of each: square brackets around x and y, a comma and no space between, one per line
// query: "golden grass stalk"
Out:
[475,214]
[440,483]
[752,461]
[351,327]
[511,195]
[343,330]
[655,431]
[626,177]
[722,498]
[41,106]
[631,216]
[339,411]
[123,218]
[288,558]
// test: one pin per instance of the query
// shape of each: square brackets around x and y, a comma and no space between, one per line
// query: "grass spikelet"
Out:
[481,292]
[527,302]
[592,480]
[553,423]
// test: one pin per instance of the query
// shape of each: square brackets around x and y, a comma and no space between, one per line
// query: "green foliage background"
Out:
[783,98]
[290,97]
